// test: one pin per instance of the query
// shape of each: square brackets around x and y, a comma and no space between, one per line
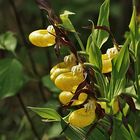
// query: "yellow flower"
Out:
[58,71]
[66,81]
[61,65]
[106,59]
[69,62]
[66,96]
[43,37]
[82,117]
[66,76]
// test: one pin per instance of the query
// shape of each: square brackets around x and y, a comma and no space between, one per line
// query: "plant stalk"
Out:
[28,116]
[79,41]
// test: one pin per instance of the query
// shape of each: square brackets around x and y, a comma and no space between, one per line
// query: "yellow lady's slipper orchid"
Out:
[66,81]
[106,59]
[69,62]
[68,78]
[43,37]
[82,117]
[59,65]
[66,96]
[57,72]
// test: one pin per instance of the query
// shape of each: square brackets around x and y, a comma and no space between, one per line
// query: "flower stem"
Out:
[79,41]
[28,116]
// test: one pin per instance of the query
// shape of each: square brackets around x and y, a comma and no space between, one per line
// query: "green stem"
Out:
[136,77]
[83,53]
[134,3]
[79,41]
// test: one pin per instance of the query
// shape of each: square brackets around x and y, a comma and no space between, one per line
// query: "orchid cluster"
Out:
[69,74]
[92,84]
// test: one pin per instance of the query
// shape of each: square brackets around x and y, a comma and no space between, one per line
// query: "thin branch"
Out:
[28,116]
[26,44]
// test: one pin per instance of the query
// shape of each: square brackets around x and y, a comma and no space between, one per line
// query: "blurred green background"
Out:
[13,123]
